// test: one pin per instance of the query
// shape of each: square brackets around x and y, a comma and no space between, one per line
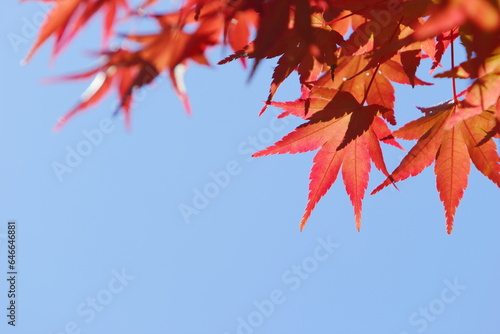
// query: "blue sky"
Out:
[105,248]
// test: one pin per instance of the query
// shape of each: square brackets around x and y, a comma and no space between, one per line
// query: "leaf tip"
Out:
[449,228]
[357,217]
[263,108]
[57,127]
[304,220]
[449,224]
[380,187]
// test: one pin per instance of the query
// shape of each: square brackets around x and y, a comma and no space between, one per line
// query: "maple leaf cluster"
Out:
[347,53]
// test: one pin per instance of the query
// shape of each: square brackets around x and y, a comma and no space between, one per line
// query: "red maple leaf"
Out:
[347,53]
[129,70]
[122,70]
[70,16]
[373,85]
[483,92]
[348,136]
[452,149]
[446,15]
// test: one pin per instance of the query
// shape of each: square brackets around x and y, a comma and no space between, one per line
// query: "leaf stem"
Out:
[370,83]
[378,65]
[455,98]
[352,13]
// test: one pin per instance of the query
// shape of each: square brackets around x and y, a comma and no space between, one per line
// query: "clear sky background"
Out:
[106,250]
